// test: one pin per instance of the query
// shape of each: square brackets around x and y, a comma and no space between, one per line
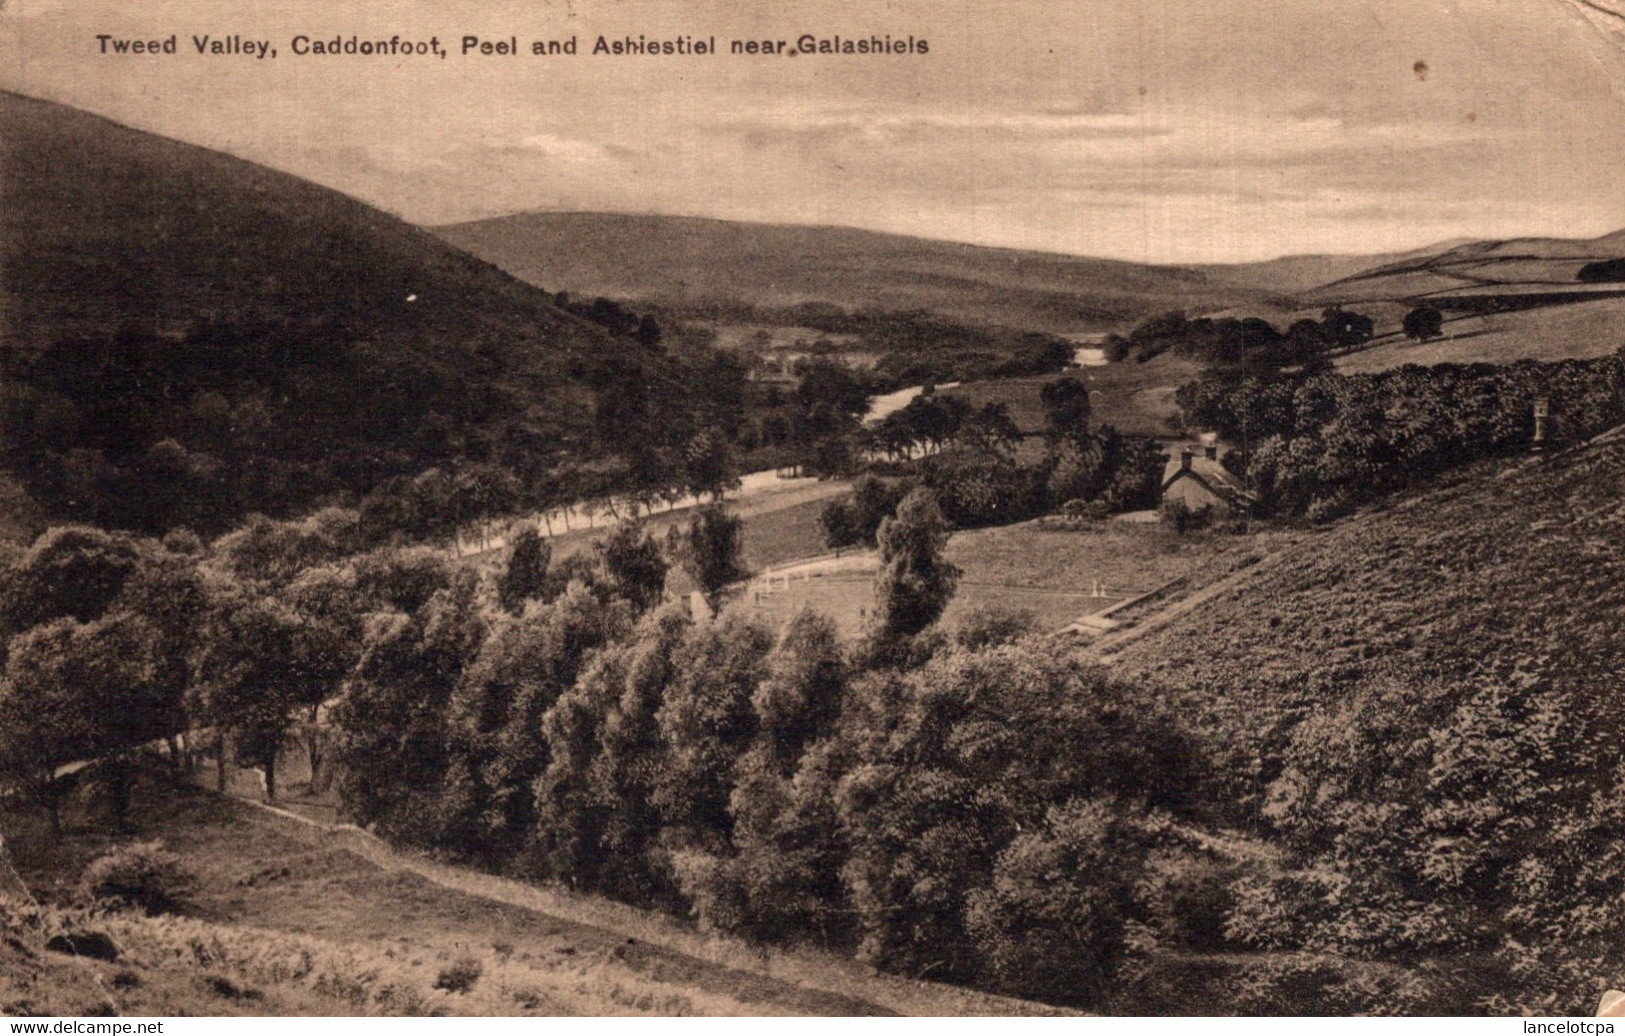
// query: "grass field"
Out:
[772,538]
[849,600]
[1582,330]
[1135,398]
[1056,572]
[1126,558]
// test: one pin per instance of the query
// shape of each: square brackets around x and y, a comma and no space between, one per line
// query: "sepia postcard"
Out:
[910,508]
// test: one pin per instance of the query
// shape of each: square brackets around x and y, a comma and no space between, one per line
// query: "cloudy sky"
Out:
[1161,130]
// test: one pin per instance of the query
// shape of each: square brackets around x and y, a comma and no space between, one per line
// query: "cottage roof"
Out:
[1210,473]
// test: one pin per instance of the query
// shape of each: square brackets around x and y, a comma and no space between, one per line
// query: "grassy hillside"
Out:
[293,918]
[693,262]
[1508,562]
[292,341]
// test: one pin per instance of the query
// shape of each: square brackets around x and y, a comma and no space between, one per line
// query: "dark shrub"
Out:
[460,976]
[143,875]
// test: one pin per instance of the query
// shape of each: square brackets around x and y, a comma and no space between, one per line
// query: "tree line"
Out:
[1320,444]
[1243,341]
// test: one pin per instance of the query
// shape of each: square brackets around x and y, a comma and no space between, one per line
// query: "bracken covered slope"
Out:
[1509,566]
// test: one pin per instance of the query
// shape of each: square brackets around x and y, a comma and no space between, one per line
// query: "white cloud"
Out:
[556,148]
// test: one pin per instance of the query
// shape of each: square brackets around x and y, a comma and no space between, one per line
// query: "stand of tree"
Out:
[1319,445]
[974,462]
[568,725]
[1244,342]
[150,431]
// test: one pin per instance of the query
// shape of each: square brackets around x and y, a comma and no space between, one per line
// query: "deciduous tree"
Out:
[916,581]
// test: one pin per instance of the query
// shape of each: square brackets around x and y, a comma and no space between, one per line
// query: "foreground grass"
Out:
[295,918]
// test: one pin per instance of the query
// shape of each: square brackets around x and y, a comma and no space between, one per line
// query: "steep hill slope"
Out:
[152,291]
[690,262]
[1419,709]
[1506,563]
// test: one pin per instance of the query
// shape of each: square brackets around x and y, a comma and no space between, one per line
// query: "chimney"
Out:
[1212,451]
[1185,458]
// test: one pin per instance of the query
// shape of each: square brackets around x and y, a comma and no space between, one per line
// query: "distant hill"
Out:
[1503,300]
[1301,274]
[694,264]
[687,262]
[293,342]
[1475,267]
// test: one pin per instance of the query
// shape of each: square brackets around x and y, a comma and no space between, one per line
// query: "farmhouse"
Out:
[1196,478]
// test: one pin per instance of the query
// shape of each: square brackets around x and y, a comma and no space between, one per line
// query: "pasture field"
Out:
[1135,398]
[772,537]
[1057,571]
[1125,558]
[849,600]
[1581,330]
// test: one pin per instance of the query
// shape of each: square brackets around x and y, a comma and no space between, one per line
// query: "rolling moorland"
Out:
[1419,707]
[1352,753]
[696,264]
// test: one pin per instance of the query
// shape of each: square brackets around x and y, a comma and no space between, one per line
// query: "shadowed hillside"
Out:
[289,341]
